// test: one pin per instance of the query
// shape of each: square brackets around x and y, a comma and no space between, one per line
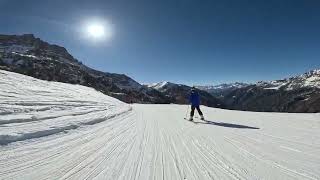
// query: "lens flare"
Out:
[98,30]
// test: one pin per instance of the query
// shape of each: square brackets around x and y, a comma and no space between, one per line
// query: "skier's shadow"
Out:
[229,125]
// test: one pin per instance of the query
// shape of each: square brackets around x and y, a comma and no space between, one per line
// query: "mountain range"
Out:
[180,94]
[31,56]
[221,90]
[295,94]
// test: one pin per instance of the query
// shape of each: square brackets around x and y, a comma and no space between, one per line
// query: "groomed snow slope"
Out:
[31,108]
[110,141]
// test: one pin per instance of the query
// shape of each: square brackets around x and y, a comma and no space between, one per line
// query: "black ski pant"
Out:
[192,110]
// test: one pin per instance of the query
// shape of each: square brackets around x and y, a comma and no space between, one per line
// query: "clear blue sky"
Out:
[183,41]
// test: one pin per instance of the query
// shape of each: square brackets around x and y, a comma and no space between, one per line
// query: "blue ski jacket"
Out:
[194,98]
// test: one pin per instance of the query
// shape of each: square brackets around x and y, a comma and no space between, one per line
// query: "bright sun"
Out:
[99,30]
[96,30]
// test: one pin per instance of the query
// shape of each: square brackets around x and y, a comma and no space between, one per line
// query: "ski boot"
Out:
[201,117]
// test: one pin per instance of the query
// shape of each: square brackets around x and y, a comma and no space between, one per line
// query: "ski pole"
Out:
[187,112]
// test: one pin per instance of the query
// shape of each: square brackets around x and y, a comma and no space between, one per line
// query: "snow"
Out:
[275,85]
[17,48]
[62,131]
[25,55]
[273,88]
[32,108]
[313,81]
[160,86]
[310,79]
[235,85]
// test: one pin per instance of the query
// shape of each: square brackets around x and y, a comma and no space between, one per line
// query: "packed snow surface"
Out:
[58,131]
[31,108]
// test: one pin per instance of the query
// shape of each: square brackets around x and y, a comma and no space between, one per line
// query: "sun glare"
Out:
[98,30]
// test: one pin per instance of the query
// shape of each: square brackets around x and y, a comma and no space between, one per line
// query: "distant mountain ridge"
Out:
[180,94]
[221,90]
[295,94]
[299,93]
[309,79]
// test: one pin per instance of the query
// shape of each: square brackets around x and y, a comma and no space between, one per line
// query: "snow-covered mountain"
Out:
[53,130]
[161,86]
[179,93]
[299,93]
[310,79]
[223,86]
[31,56]
[296,94]
[222,89]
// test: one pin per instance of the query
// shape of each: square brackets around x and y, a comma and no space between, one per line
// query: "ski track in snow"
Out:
[58,131]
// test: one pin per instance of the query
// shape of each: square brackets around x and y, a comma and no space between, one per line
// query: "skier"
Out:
[195,103]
